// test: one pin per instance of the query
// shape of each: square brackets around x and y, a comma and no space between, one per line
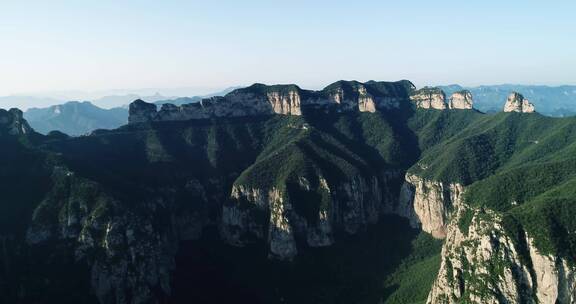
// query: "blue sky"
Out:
[101,45]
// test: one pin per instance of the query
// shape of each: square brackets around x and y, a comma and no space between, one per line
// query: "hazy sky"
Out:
[100,45]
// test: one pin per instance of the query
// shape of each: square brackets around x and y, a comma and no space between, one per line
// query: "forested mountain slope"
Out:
[277,194]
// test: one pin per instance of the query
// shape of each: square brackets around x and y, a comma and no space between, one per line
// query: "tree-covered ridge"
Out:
[520,164]
[151,173]
[175,176]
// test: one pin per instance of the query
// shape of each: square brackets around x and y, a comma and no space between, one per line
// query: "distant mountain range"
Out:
[372,192]
[75,118]
[79,118]
[25,102]
[551,101]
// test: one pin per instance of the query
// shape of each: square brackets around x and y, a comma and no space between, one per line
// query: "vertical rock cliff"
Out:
[480,261]
[432,203]
[286,103]
[261,100]
[517,103]
[283,215]
[461,100]
[429,98]
[482,264]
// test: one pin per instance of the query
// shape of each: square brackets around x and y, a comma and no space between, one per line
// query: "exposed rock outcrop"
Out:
[12,122]
[481,264]
[129,255]
[286,103]
[428,204]
[348,207]
[461,100]
[429,98]
[517,103]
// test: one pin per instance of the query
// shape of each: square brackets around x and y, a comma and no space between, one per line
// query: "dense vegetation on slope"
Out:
[175,176]
[26,273]
[156,169]
[519,164]
[359,269]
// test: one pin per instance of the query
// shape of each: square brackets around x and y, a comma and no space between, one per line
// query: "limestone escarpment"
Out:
[481,264]
[259,99]
[124,221]
[461,100]
[363,97]
[341,96]
[517,103]
[13,123]
[349,207]
[286,103]
[429,98]
[429,204]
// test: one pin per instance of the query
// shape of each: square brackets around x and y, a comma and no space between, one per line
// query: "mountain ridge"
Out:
[289,196]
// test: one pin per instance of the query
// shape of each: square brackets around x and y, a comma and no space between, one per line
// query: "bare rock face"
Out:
[481,264]
[429,98]
[347,96]
[13,122]
[428,204]
[350,207]
[365,101]
[461,100]
[287,103]
[517,103]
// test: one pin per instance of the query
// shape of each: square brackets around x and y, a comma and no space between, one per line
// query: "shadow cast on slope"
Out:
[351,271]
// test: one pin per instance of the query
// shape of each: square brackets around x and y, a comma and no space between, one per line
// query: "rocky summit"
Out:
[13,123]
[517,103]
[373,192]
[461,100]
[429,98]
